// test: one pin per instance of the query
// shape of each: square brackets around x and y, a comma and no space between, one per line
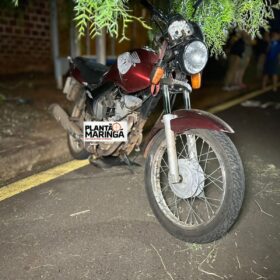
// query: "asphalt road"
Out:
[97,224]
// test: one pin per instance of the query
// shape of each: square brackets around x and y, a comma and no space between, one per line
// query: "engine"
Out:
[115,106]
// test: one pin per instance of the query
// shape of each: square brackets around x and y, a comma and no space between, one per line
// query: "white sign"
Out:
[105,131]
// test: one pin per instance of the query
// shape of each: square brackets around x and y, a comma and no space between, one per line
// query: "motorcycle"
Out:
[194,177]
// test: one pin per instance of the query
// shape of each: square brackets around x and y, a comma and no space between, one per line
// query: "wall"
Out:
[25,43]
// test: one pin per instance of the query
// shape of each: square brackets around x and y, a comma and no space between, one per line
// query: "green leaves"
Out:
[109,14]
[217,18]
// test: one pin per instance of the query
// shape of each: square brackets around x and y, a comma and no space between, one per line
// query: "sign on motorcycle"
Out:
[105,131]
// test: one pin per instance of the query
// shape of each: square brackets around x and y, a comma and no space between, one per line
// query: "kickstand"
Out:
[127,161]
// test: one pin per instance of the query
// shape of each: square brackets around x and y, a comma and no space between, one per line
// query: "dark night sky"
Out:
[275,24]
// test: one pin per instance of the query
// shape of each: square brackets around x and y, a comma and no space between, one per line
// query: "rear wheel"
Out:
[206,202]
[76,147]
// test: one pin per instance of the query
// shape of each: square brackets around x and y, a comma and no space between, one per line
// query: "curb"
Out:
[236,101]
[19,162]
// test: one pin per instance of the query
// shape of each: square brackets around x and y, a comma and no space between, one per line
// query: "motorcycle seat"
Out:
[91,71]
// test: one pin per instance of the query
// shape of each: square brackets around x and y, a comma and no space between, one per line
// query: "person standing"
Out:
[261,50]
[236,51]
[272,62]
[244,61]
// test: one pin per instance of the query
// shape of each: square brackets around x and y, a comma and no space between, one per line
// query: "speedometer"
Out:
[178,28]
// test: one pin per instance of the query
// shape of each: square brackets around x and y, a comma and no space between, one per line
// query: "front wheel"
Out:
[206,202]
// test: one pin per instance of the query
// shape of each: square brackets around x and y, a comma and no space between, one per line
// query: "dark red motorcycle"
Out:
[193,174]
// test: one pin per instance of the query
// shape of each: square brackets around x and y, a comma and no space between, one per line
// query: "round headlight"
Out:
[195,57]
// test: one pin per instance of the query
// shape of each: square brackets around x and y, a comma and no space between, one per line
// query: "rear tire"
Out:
[76,148]
[232,183]
[76,152]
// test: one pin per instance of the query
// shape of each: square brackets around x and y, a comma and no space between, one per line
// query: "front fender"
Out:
[187,119]
[197,119]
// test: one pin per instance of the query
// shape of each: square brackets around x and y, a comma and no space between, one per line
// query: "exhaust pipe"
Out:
[63,119]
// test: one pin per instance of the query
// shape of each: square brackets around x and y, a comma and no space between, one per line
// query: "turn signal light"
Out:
[158,75]
[196,81]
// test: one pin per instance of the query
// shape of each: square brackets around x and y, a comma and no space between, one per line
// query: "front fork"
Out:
[174,175]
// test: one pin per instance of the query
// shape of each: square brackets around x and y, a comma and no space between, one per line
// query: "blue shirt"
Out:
[273,50]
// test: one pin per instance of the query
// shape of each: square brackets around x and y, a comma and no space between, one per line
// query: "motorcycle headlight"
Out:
[195,57]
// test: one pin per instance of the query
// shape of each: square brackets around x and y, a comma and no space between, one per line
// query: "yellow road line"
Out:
[40,178]
[239,100]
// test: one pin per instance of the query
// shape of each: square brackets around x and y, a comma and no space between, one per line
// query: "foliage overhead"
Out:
[98,14]
[216,18]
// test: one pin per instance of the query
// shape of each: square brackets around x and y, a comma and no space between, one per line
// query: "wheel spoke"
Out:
[176,205]
[165,188]
[201,149]
[163,171]
[166,165]
[184,147]
[203,198]
[202,155]
[209,159]
[215,199]
[213,182]
[216,179]
[207,205]
[205,163]
[194,214]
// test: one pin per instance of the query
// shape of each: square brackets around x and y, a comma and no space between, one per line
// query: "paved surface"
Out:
[97,224]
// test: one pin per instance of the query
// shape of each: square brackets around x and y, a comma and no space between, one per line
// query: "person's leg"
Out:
[228,77]
[264,81]
[242,71]
[274,81]
[235,71]
[260,65]
[238,74]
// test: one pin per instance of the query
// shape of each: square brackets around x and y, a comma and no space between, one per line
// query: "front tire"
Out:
[214,183]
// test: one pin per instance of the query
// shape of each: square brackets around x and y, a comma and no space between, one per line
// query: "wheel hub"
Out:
[192,179]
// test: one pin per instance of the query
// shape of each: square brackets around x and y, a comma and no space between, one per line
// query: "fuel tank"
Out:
[132,70]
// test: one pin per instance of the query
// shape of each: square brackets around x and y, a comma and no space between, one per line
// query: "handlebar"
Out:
[196,5]
[159,14]
[154,10]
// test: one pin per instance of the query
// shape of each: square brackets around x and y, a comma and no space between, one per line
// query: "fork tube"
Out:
[190,138]
[166,100]
[187,99]
[170,138]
